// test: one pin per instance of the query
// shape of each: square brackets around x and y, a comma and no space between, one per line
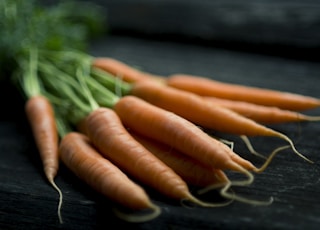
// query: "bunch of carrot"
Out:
[120,129]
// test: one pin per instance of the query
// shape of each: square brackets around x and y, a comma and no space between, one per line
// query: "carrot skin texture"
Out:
[209,87]
[110,137]
[40,115]
[171,129]
[121,70]
[235,124]
[191,171]
[79,155]
[260,113]
[197,110]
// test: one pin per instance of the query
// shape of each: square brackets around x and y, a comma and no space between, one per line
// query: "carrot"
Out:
[41,117]
[169,128]
[107,133]
[99,72]
[261,113]
[178,102]
[191,171]
[173,130]
[209,87]
[196,109]
[109,136]
[121,70]
[79,155]
[215,154]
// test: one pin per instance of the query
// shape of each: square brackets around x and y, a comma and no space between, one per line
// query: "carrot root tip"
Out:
[247,142]
[229,143]
[224,192]
[60,199]
[270,158]
[311,118]
[196,201]
[211,187]
[294,148]
[248,181]
[151,214]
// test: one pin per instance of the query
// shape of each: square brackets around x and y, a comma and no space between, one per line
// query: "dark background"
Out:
[271,44]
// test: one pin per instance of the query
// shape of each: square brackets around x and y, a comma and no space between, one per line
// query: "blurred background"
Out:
[289,28]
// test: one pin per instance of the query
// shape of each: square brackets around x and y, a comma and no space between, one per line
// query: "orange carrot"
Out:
[171,129]
[177,132]
[112,139]
[209,87]
[194,172]
[41,117]
[260,113]
[78,154]
[191,171]
[196,109]
[121,70]
[107,133]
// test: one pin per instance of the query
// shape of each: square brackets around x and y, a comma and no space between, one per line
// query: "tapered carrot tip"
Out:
[193,200]
[270,158]
[247,142]
[274,133]
[263,96]
[309,118]
[286,138]
[232,196]
[60,198]
[139,217]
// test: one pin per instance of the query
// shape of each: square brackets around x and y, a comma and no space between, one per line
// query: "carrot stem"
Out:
[110,82]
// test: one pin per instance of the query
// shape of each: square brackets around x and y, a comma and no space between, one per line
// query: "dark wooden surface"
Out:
[27,201]
[286,27]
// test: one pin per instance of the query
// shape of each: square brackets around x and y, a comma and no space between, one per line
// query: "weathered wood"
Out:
[281,23]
